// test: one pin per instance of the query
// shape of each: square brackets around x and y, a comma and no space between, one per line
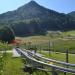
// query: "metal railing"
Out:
[36,60]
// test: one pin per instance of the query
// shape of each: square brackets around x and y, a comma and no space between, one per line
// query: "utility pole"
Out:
[67,56]
[66,59]
[49,48]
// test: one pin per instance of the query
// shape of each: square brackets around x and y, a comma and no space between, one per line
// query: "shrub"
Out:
[6,34]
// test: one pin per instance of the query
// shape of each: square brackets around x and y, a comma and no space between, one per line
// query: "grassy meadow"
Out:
[59,56]
[57,44]
[13,66]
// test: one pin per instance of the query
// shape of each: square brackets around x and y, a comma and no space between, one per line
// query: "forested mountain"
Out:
[33,19]
[29,11]
[72,14]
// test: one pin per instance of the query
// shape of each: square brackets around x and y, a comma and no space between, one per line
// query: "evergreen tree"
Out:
[6,34]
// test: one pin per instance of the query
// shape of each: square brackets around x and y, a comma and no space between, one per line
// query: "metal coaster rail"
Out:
[35,60]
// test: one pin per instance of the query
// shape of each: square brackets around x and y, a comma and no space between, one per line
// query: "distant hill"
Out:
[72,14]
[34,19]
[32,10]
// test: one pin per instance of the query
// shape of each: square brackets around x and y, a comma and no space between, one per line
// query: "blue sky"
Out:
[62,6]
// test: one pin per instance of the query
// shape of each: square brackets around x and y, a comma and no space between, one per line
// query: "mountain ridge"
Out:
[34,19]
[30,7]
[72,14]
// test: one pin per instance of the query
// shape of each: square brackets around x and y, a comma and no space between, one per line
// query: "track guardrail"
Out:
[32,58]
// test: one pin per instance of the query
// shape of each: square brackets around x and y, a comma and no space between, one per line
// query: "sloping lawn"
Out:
[59,56]
[13,66]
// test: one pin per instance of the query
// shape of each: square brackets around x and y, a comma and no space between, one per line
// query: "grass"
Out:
[13,66]
[5,46]
[71,32]
[59,56]
[58,44]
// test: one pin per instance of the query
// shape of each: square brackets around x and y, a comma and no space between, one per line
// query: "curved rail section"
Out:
[38,62]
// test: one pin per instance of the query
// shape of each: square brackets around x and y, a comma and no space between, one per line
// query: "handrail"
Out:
[54,61]
[46,64]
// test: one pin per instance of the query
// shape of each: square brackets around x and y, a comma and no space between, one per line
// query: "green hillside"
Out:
[34,19]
